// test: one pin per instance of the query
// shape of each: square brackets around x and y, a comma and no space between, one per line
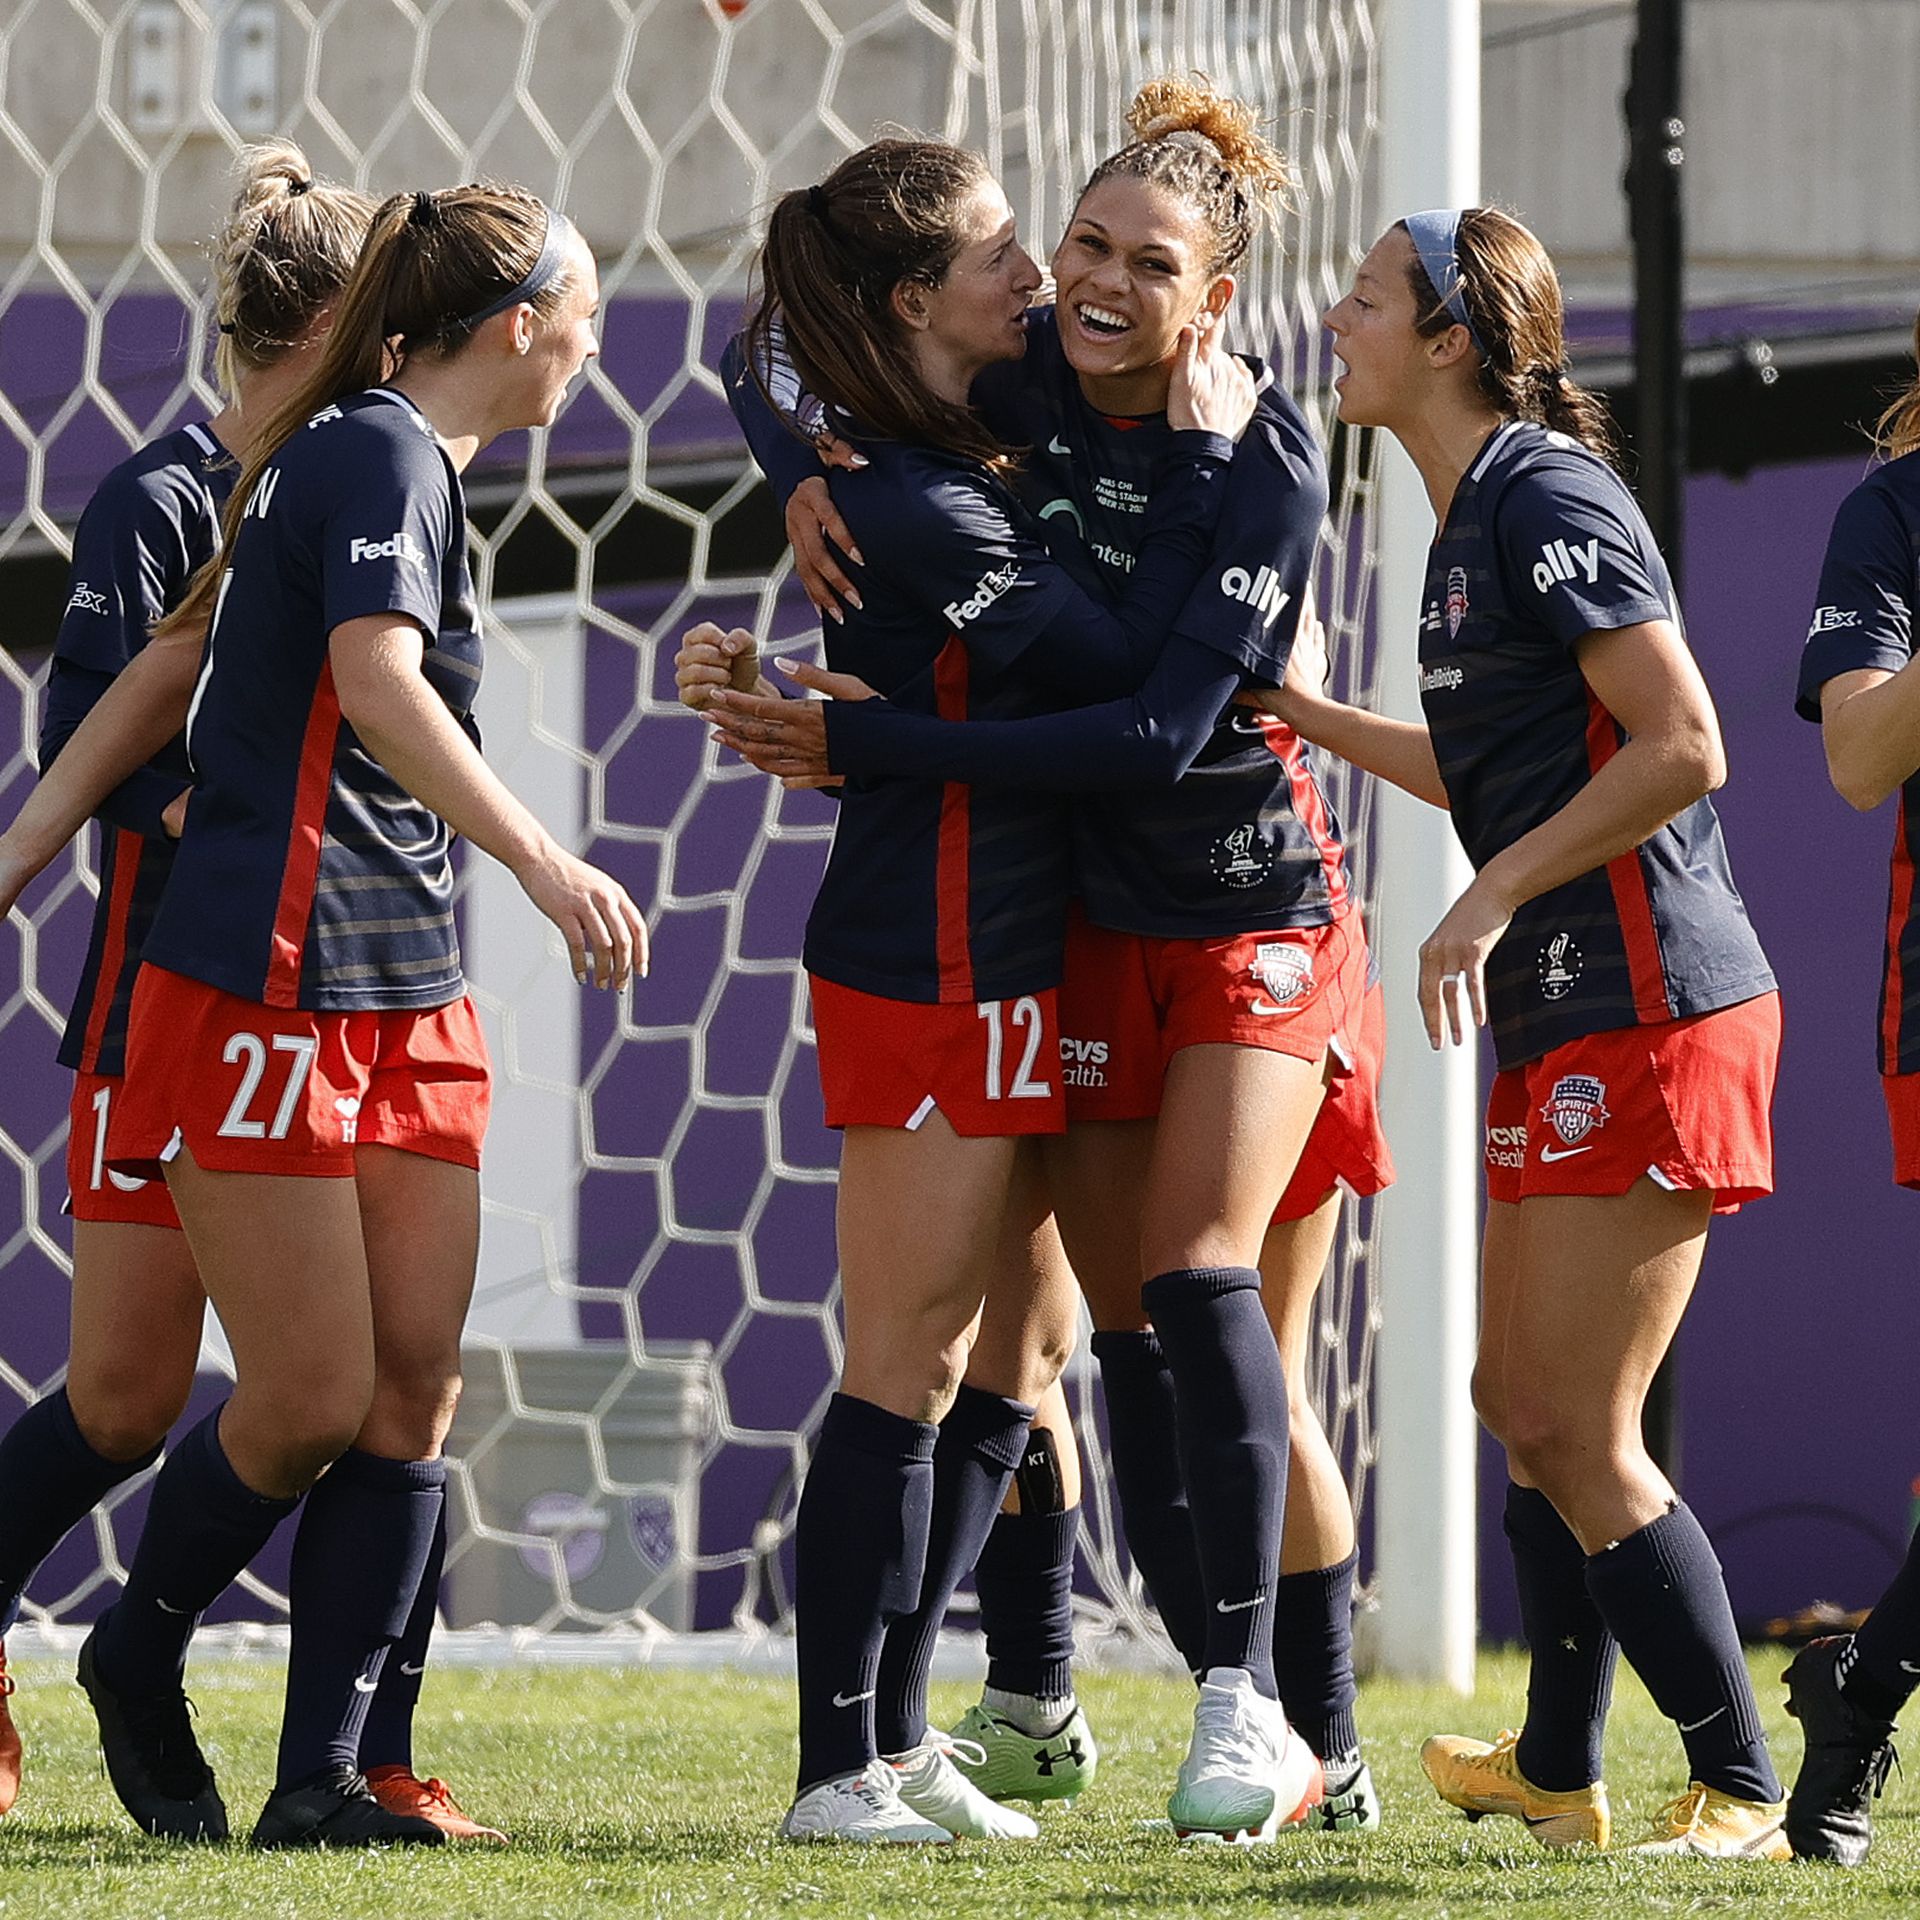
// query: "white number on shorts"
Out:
[126,1182]
[1026,1013]
[251,1048]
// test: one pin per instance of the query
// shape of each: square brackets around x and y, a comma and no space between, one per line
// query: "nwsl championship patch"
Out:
[1456,600]
[1576,1106]
[1285,971]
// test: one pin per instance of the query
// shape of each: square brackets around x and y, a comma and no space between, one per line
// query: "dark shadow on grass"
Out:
[1330,1890]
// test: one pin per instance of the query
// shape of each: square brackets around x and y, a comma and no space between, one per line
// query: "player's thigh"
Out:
[1232,1123]
[1097,1177]
[138,1309]
[1293,1260]
[1499,1270]
[1032,1309]
[920,1217]
[1599,1288]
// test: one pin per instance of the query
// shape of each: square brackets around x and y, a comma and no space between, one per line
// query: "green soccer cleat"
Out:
[1021,1766]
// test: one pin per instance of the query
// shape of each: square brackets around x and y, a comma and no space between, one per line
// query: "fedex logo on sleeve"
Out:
[402,546]
[986,590]
[1559,563]
[1833,619]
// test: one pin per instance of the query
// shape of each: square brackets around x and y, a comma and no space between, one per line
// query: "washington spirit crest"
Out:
[1284,970]
[1560,965]
[1576,1106]
[1456,600]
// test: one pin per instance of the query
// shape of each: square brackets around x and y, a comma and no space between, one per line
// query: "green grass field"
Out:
[631,1792]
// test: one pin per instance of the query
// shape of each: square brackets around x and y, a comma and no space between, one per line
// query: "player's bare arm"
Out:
[1647,679]
[406,726]
[1870,726]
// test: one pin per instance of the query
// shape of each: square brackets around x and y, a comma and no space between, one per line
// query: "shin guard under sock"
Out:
[1313,1658]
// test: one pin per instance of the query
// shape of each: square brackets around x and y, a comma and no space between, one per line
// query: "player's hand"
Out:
[787,738]
[1453,962]
[605,935]
[1212,388]
[819,539]
[173,816]
[705,663]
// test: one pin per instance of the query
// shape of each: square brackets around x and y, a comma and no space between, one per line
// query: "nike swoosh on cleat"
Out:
[1566,1153]
[1238,1606]
[1694,1726]
[852,1699]
[362,1684]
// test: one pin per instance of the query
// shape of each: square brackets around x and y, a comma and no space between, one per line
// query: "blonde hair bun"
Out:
[1190,103]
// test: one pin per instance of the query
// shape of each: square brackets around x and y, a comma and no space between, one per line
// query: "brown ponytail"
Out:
[430,261]
[834,255]
[1206,149]
[1513,296]
[286,249]
[1898,429]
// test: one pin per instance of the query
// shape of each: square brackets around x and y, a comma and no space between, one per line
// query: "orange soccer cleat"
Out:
[399,1791]
[9,1742]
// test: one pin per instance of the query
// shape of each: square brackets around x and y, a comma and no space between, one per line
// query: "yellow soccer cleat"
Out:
[1481,1779]
[1715,1826]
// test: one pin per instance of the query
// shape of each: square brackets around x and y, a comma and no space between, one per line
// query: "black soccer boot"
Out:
[153,1760]
[1848,1757]
[338,1810]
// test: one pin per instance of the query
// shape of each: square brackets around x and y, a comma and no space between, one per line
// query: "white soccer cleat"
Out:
[1247,1774]
[934,1788]
[863,1807]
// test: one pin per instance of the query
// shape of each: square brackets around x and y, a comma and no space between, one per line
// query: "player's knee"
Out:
[412,1411]
[123,1416]
[1549,1446]
[1490,1400]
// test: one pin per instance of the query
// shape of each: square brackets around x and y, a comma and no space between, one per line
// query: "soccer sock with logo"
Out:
[1313,1659]
[203,1525]
[980,1444]
[860,1553]
[1875,1674]
[1143,1450]
[1571,1655]
[387,1738]
[1024,1580]
[50,1480]
[1661,1592]
[357,1559]
[1232,1397]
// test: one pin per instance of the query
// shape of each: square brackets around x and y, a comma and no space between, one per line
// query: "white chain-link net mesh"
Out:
[655,1331]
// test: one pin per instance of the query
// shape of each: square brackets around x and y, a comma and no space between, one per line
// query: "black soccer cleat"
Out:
[1848,1757]
[153,1760]
[338,1810]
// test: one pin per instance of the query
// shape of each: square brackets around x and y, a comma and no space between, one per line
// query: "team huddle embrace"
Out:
[1095,1010]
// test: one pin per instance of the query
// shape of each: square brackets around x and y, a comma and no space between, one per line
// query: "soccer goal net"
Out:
[654,1334]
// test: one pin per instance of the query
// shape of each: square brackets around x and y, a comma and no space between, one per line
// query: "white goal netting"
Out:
[655,1332]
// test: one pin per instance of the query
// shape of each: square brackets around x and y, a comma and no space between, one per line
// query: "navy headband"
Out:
[542,274]
[1436,239]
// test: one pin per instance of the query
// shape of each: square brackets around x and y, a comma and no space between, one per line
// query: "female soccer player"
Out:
[935,942]
[1634,1017]
[1219,975]
[1856,679]
[301,1057]
[287,248]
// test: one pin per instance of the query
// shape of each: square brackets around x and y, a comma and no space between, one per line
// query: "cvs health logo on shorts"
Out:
[1082,1062]
[1507,1147]
[402,546]
[986,590]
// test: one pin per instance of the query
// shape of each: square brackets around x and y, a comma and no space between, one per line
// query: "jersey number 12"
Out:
[1026,1013]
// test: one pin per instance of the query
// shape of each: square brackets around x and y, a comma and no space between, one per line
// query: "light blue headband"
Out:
[1436,239]
[544,272]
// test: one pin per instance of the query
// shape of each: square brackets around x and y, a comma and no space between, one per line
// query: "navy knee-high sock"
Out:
[1024,1578]
[357,1560]
[50,1479]
[1570,1654]
[1143,1448]
[980,1444]
[1232,1397]
[1874,1671]
[860,1552]
[387,1738]
[1313,1659]
[204,1523]
[1662,1593]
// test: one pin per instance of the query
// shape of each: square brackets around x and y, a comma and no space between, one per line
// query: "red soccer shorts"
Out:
[1130,1002]
[94,1190]
[1903,1117]
[1346,1147]
[1683,1103]
[246,1088]
[991,1068]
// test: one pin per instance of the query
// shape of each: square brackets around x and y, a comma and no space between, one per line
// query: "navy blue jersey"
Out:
[935,890]
[1542,545]
[307,875]
[1247,840]
[154,521]
[1863,619]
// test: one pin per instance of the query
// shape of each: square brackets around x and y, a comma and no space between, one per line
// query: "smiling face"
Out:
[1133,270]
[976,316]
